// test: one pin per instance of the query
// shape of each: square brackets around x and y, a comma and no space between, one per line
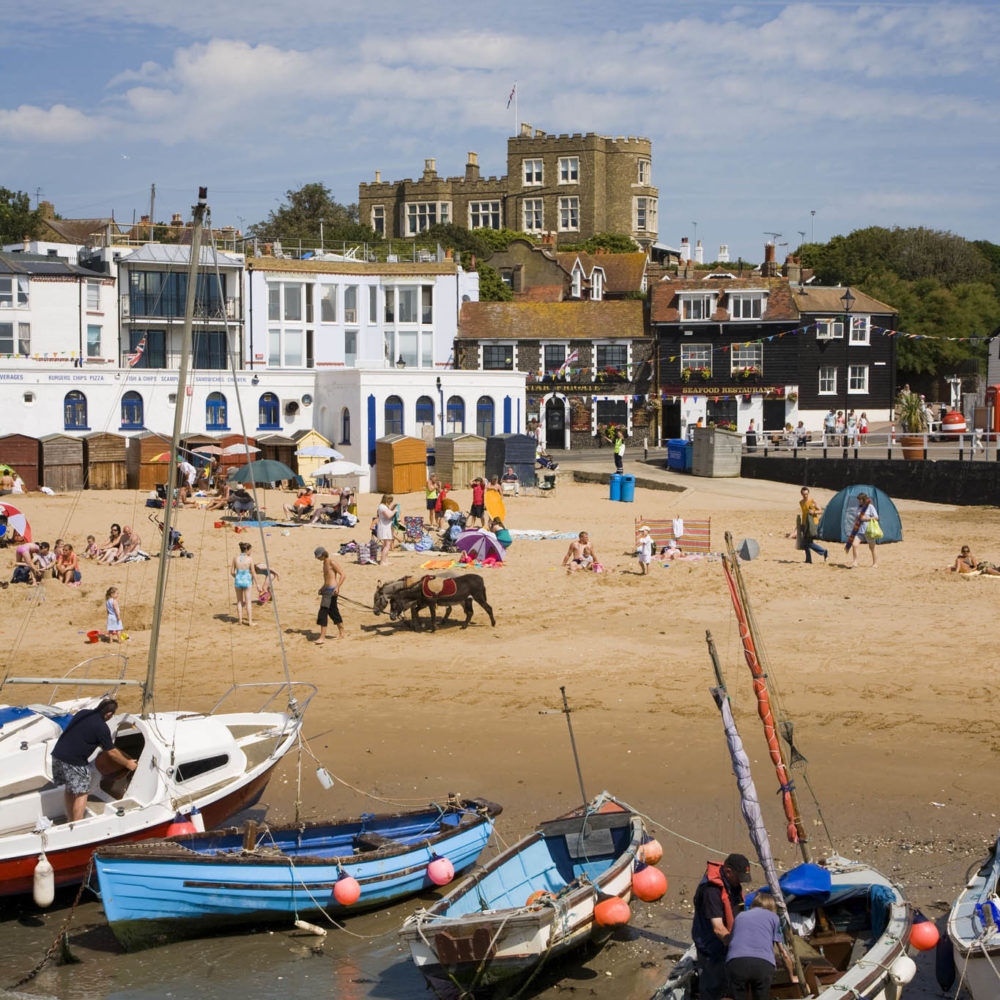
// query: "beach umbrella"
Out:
[480,544]
[207,449]
[240,449]
[164,456]
[319,451]
[17,521]
[339,468]
[264,470]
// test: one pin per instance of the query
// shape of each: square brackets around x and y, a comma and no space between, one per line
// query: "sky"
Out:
[801,119]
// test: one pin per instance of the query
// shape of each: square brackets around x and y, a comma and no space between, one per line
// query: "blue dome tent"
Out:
[841,512]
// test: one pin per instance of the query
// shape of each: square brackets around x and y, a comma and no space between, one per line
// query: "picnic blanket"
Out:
[697,535]
[540,534]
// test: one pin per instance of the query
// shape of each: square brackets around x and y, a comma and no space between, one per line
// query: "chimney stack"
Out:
[769,269]
[792,270]
[525,130]
[685,249]
[378,176]
[723,257]
[699,254]
[430,169]
[472,167]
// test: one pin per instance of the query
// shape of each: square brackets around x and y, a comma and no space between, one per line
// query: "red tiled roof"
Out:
[540,293]
[550,320]
[665,307]
[623,272]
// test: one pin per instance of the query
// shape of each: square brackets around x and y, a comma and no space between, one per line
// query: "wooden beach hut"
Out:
[278,448]
[459,458]
[305,465]
[62,463]
[400,464]
[23,455]
[517,450]
[143,472]
[105,461]
[240,457]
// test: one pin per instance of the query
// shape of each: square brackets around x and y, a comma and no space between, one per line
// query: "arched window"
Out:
[425,411]
[455,415]
[75,411]
[268,412]
[484,416]
[394,415]
[131,411]
[345,426]
[215,412]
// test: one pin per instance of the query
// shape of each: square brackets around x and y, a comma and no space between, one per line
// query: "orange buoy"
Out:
[180,826]
[650,852]
[648,883]
[924,935]
[440,871]
[612,912]
[535,899]
[346,890]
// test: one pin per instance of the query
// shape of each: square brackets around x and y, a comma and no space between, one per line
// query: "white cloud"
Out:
[58,124]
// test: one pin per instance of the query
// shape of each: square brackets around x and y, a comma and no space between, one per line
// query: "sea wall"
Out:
[966,484]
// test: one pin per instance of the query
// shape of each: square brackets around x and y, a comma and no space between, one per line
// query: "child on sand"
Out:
[91,551]
[114,626]
[645,549]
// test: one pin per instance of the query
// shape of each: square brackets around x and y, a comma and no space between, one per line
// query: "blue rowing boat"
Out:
[157,891]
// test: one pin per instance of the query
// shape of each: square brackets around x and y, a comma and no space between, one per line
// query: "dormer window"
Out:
[746,305]
[597,286]
[696,305]
[577,287]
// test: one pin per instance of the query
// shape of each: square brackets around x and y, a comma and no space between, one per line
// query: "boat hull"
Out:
[471,941]
[973,931]
[154,893]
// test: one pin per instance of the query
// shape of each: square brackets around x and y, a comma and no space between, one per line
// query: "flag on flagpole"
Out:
[570,358]
[513,90]
[133,359]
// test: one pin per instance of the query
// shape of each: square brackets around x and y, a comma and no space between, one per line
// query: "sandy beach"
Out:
[884,672]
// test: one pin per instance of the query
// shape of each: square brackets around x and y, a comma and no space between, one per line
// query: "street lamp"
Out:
[848,300]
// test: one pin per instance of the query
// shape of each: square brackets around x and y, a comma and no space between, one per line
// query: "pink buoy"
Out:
[346,890]
[440,871]
[924,935]
[613,912]
[180,826]
[648,883]
[650,852]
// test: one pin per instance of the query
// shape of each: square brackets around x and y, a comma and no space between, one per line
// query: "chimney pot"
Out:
[378,176]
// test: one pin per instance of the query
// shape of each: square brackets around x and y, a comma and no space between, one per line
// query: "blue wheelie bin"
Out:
[616,486]
[628,489]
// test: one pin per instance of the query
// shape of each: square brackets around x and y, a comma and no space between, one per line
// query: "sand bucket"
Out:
[94,635]
[219,524]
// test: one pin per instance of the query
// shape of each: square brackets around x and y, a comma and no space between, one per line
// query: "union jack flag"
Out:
[512,92]
[133,359]
[570,358]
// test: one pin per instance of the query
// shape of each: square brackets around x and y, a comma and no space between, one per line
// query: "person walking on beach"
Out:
[383,525]
[242,573]
[333,580]
[861,532]
[114,627]
[809,512]
[645,549]
[717,900]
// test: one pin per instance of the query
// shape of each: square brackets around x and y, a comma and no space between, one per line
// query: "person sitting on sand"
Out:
[502,534]
[130,541]
[91,551]
[671,550]
[966,562]
[108,552]
[67,568]
[580,554]
[221,498]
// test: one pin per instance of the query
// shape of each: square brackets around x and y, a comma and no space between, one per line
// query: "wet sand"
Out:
[885,672]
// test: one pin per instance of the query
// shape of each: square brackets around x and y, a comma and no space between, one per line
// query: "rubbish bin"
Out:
[616,486]
[675,453]
[628,489]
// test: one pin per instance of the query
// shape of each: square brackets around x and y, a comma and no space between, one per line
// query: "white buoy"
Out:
[197,820]
[311,928]
[902,970]
[43,887]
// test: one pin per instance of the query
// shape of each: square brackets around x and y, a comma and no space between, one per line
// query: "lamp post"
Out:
[848,300]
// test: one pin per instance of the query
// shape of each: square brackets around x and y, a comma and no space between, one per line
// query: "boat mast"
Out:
[168,509]
[762,689]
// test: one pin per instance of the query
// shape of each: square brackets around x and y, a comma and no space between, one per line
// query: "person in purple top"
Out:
[750,957]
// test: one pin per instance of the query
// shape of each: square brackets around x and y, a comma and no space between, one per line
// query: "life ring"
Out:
[537,897]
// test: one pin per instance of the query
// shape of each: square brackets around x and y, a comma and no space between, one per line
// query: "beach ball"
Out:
[612,912]
[902,970]
[648,883]
[924,935]
[650,851]
[346,890]
[440,871]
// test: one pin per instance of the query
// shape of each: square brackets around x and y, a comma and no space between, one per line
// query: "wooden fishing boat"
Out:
[217,762]
[532,903]
[158,891]
[974,930]
[845,924]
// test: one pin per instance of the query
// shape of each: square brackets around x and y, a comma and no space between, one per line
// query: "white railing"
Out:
[970,446]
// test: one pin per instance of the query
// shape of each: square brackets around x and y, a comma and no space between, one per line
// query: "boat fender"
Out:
[43,887]
[304,925]
[648,883]
[902,970]
[923,934]
[612,912]
[180,826]
[346,890]
[538,898]
[440,870]
[197,820]
[650,851]
[944,963]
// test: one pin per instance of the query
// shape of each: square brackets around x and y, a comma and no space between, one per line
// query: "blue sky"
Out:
[760,113]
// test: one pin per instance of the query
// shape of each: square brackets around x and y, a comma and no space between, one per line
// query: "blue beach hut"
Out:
[841,512]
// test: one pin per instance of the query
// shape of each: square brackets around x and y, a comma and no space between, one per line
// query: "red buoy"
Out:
[650,852]
[953,423]
[346,890]
[648,883]
[612,912]
[180,826]
[924,936]
[537,897]
[440,871]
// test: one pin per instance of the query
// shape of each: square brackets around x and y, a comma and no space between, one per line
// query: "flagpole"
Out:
[517,121]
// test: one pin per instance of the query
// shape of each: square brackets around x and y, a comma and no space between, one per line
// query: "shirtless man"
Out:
[333,580]
[580,554]
[6,483]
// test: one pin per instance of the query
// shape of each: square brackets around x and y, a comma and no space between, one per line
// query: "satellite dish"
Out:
[749,549]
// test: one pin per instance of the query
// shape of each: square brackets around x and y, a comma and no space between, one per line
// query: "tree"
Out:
[17,219]
[605,243]
[491,286]
[299,218]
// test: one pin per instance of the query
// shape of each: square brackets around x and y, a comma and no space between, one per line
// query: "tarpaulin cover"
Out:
[806,880]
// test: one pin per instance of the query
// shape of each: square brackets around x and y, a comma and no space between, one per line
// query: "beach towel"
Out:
[438,564]
[696,537]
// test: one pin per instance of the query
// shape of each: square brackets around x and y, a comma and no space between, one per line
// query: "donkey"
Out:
[429,591]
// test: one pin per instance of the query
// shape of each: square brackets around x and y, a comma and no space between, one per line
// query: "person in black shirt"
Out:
[717,900]
[87,731]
